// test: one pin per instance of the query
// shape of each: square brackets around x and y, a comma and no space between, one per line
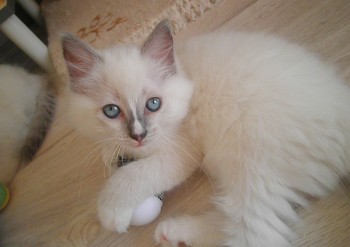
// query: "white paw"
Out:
[172,233]
[115,219]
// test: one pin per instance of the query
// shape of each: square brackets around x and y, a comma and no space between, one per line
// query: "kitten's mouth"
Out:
[138,144]
[138,140]
[141,143]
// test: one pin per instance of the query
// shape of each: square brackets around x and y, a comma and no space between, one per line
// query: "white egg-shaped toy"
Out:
[147,211]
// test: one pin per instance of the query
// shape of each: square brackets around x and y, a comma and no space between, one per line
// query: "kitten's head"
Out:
[135,98]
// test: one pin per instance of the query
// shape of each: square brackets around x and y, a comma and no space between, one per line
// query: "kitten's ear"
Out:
[80,59]
[160,46]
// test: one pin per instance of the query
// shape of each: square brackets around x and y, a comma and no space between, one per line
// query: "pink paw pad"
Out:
[164,238]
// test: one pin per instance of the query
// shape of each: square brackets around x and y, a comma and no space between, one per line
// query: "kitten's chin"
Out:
[138,145]
[142,148]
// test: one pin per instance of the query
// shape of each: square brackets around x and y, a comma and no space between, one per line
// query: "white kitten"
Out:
[26,108]
[265,119]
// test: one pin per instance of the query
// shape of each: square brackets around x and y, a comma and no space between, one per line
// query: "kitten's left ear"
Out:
[160,46]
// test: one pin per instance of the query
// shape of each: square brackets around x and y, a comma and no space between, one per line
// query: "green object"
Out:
[4,196]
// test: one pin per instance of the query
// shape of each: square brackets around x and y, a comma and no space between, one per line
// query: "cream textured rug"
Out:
[107,22]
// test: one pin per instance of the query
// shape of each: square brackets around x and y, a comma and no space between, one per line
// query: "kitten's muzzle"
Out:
[138,137]
[137,128]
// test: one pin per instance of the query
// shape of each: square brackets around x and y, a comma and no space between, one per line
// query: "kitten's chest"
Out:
[210,115]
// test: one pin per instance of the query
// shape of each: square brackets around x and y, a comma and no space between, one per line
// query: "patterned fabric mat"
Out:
[107,22]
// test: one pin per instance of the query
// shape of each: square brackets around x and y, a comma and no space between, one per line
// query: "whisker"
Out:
[110,151]
[195,161]
[171,149]
[188,141]
[89,164]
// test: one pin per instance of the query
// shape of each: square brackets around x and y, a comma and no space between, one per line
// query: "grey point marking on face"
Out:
[137,126]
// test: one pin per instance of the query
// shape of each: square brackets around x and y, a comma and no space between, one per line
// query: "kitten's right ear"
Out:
[80,59]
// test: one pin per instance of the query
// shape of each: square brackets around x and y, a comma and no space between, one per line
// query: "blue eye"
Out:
[153,104]
[111,111]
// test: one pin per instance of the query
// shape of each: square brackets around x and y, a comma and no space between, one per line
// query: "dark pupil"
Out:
[111,111]
[153,104]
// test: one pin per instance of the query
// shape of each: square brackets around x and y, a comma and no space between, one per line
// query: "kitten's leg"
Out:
[133,183]
[252,196]
[191,230]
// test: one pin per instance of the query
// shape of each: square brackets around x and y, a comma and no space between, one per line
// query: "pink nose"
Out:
[138,137]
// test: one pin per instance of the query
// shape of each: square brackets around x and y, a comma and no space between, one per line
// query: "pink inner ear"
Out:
[159,46]
[80,57]
[75,66]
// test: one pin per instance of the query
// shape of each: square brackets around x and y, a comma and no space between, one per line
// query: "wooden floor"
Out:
[54,198]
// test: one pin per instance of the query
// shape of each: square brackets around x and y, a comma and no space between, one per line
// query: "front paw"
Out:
[114,218]
[172,233]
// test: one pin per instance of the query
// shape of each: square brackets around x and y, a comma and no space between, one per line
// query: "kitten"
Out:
[26,108]
[268,121]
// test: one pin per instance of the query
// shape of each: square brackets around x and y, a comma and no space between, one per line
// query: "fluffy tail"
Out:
[41,122]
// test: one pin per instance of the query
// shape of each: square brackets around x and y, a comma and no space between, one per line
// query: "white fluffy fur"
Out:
[268,121]
[19,91]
